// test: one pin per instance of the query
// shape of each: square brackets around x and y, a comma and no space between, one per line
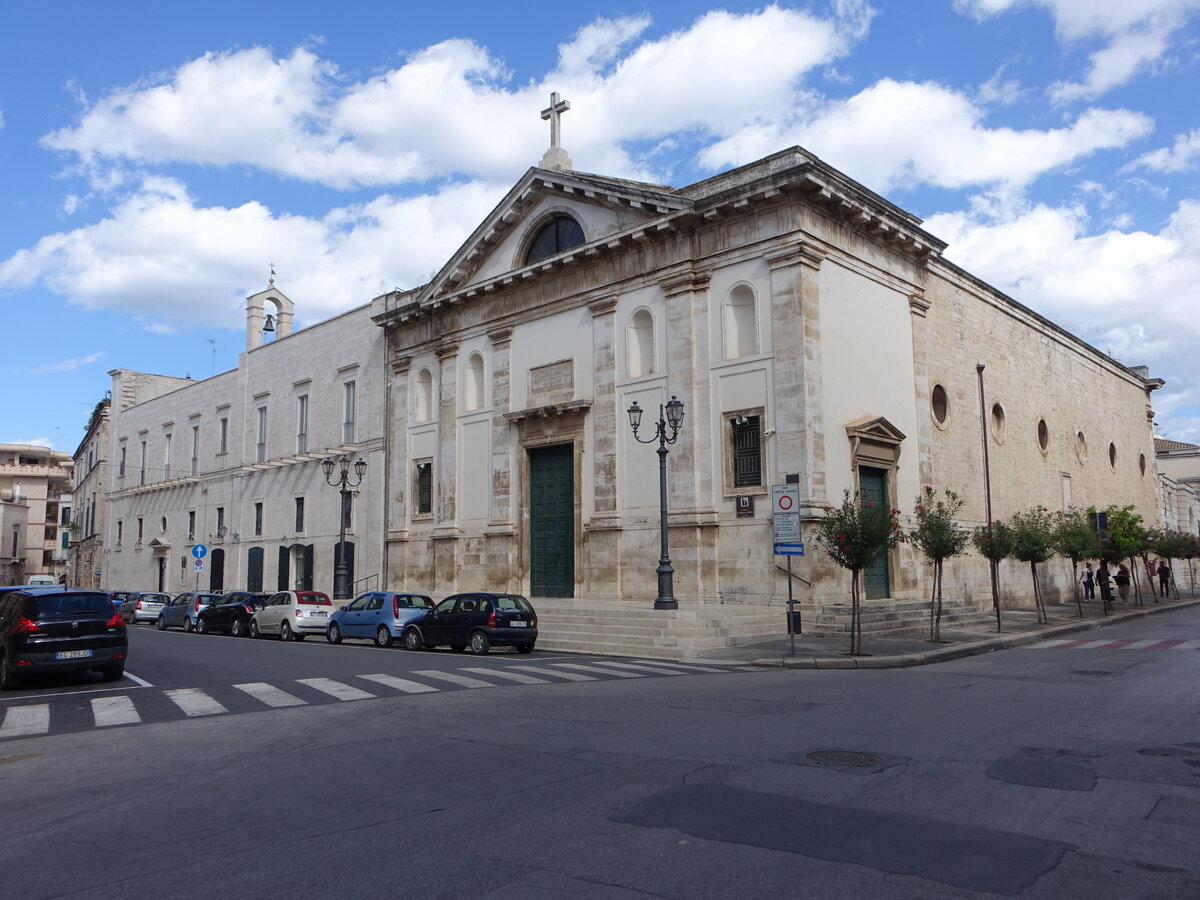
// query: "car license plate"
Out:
[72,654]
[518,624]
[321,614]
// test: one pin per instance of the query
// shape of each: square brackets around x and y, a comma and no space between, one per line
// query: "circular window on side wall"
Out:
[1043,436]
[1112,456]
[1080,447]
[939,405]
[1142,464]
[998,420]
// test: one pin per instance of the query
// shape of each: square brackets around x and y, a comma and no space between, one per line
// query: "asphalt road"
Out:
[1051,772]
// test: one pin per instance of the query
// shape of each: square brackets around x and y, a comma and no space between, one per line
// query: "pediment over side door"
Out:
[874,441]
[603,207]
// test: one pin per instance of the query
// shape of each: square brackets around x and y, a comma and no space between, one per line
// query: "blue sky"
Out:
[156,158]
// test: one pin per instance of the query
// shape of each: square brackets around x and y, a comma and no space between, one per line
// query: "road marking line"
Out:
[335,689]
[569,676]
[401,684]
[270,695]
[1188,645]
[691,667]
[596,669]
[114,711]
[1053,645]
[1067,645]
[1140,645]
[1116,645]
[633,667]
[461,680]
[511,676]
[25,720]
[195,702]
[1165,645]
[140,681]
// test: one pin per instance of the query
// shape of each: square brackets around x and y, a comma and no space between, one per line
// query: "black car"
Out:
[478,621]
[231,613]
[57,630]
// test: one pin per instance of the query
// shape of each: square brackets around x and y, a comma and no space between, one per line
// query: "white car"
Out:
[143,606]
[293,615]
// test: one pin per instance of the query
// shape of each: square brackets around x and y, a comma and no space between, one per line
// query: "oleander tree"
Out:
[1033,542]
[1172,545]
[855,535]
[938,537]
[1126,539]
[1076,539]
[994,542]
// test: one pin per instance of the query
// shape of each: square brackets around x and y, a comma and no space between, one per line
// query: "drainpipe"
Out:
[987,492]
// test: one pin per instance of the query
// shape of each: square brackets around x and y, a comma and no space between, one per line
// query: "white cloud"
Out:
[449,110]
[66,365]
[1131,294]
[174,265]
[898,133]
[1184,155]
[1137,33]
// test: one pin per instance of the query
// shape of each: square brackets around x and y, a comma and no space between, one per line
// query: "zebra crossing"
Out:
[1110,644]
[28,719]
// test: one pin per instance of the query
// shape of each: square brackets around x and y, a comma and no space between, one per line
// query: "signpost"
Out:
[199,551]
[785,527]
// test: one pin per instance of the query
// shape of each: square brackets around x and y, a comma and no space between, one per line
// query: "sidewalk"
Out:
[888,652]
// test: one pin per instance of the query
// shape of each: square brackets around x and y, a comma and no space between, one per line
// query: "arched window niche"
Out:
[558,235]
[473,387]
[423,399]
[639,344]
[741,322]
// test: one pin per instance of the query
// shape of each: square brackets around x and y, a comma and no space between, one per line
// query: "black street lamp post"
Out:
[341,572]
[669,416]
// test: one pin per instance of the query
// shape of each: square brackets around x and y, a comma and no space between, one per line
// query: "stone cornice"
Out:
[798,254]
[690,281]
[604,306]
[401,365]
[552,410]
[918,305]
[500,337]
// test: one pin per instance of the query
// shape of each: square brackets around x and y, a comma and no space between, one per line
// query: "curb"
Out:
[959,651]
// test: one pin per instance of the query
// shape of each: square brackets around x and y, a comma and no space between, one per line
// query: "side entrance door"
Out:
[872,488]
[552,521]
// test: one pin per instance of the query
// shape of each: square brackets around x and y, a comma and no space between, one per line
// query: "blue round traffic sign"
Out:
[199,551]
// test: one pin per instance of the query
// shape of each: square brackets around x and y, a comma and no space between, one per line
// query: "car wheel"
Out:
[114,673]
[237,629]
[458,648]
[524,648]
[253,629]
[383,637]
[296,636]
[285,631]
[188,625]
[412,639]
[333,634]
[202,625]
[480,643]
[9,681]
[162,624]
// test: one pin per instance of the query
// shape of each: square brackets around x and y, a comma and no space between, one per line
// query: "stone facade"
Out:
[1179,477]
[234,462]
[85,557]
[35,485]
[812,331]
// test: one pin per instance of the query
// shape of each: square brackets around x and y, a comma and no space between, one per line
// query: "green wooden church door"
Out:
[552,521]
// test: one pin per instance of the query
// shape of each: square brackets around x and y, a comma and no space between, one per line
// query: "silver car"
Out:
[143,606]
[293,615]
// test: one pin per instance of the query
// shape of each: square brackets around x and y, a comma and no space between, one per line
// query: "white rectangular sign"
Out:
[785,498]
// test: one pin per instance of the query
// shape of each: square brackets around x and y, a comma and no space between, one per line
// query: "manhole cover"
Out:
[843,758]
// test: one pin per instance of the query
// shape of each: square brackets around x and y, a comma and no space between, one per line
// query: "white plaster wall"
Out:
[475,471]
[867,358]
[567,335]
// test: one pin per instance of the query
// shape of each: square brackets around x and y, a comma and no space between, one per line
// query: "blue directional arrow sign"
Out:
[199,551]
[788,548]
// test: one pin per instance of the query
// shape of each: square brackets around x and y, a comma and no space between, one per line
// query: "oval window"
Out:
[1043,435]
[997,421]
[1142,463]
[557,236]
[1080,447]
[939,403]
[1112,455]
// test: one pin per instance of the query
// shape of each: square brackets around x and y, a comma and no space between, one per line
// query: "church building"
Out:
[815,336]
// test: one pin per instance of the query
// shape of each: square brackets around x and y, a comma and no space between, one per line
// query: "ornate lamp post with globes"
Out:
[341,572]
[670,416]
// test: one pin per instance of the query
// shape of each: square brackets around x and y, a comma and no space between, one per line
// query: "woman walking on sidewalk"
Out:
[1164,578]
[1122,582]
[1088,580]
[1105,582]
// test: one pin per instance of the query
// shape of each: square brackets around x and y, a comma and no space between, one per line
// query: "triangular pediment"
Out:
[875,428]
[604,207]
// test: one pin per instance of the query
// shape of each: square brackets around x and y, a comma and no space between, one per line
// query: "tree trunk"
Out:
[1173,584]
[855,631]
[1075,575]
[938,620]
[994,566]
[1037,597]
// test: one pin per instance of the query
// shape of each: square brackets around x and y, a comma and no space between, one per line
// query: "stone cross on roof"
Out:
[556,157]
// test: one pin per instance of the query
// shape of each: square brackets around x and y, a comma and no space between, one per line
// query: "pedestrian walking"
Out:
[1088,580]
[1105,581]
[1164,578]
[1122,581]
[1151,570]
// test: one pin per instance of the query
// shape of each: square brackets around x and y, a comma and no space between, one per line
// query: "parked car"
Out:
[184,609]
[480,621]
[59,631]
[119,597]
[232,613]
[141,606]
[380,615]
[293,615]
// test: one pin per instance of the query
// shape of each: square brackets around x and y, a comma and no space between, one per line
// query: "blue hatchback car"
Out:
[478,621]
[377,615]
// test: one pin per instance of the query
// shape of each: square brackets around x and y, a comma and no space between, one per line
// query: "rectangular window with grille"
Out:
[223,439]
[191,525]
[299,515]
[258,518]
[424,488]
[747,451]
[302,423]
[261,455]
[349,411]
